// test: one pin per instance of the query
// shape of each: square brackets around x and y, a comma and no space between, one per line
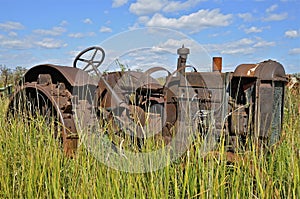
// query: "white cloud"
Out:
[262,43]
[134,26]
[276,17]
[76,35]
[63,23]
[50,43]
[272,8]
[55,31]
[220,34]
[105,29]
[119,3]
[172,44]
[12,34]
[241,42]
[81,35]
[90,34]
[15,43]
[244,51]
[143,19]
[193,22]
[246,16]
[144,7]
[87,21]
[11,25]
[174,6]
[253,29]
[294,51]
[241,46]
[292,33]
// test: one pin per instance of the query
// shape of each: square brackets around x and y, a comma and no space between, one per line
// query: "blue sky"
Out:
[241,31]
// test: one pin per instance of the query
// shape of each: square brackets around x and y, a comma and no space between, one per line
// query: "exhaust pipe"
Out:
[217,64]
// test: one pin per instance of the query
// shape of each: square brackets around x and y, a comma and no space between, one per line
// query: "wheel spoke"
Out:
[94,55]
[86,66]
[83,60]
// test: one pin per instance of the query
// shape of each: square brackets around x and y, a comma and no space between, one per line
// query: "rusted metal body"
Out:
[243,105]
[263,92]
[47,90]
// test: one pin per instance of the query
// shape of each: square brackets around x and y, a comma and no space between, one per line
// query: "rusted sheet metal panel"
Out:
[209,80]
[267,70]
[245,70]
[270,70]
[74,76]
[265,105]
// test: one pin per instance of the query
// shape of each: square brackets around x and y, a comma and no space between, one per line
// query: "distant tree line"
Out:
[10,76]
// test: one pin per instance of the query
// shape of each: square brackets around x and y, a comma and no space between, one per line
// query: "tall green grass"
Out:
[32,165]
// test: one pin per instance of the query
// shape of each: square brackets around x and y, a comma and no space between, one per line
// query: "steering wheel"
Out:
[91,59]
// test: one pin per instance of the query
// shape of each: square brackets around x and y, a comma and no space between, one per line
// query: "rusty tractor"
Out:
[243,106]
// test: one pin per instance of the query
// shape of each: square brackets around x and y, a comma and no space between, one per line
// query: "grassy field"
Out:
[33,166]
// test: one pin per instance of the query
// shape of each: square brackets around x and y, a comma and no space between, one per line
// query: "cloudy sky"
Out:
[241,31]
